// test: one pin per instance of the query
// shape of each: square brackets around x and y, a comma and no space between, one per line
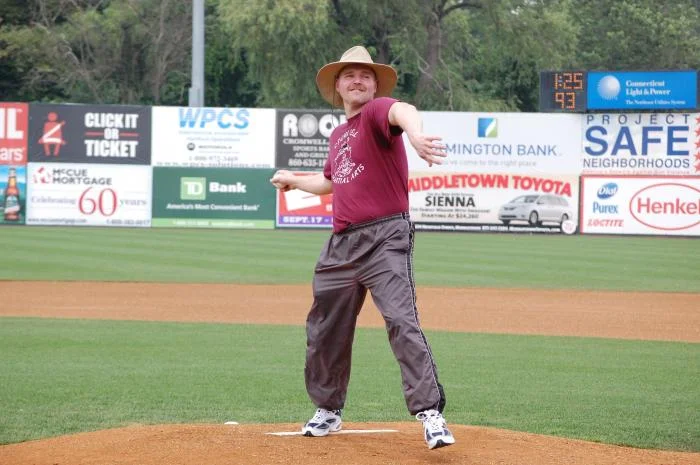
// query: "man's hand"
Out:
[282,180]
[314,183]
[428,147]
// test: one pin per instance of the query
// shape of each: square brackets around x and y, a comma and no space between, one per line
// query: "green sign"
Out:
[213,198]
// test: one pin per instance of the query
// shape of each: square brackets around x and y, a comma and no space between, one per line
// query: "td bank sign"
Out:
[197,188]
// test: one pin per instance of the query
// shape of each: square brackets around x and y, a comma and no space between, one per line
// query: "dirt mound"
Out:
[250,444]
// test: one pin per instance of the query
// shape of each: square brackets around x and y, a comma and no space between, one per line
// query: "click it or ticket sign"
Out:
[299,209]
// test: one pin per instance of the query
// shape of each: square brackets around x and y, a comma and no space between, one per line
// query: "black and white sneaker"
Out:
[435,429]
[323,422]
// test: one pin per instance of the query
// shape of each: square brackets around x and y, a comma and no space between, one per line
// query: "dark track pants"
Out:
[378,256]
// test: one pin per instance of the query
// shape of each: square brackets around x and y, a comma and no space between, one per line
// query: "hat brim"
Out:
[326,76]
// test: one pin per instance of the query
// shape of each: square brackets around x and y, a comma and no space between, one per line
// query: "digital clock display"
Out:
[563,91]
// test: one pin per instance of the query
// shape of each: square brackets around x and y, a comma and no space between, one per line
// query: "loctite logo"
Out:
[667,206]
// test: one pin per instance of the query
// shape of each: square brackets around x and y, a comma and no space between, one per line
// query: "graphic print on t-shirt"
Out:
[345,169]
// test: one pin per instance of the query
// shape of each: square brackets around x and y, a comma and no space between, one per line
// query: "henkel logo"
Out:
[669,206]
[13,133]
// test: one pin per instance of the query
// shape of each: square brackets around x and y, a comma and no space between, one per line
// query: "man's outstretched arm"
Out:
[407,117]
[315,183]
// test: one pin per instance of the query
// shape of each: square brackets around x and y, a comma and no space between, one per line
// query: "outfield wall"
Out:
[138,166]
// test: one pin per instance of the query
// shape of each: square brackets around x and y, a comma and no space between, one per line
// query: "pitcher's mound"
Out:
[250,444]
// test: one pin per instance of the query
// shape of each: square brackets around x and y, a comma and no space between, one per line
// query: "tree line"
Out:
[452,55]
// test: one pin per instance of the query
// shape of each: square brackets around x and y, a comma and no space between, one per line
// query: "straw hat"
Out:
[358,55]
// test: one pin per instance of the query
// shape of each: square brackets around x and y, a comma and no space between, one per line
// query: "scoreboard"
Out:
[563,91]
[578,91]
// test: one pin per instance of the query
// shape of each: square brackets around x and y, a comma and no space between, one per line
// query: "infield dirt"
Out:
[624,315]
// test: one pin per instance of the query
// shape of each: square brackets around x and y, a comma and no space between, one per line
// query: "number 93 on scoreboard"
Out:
[563,91]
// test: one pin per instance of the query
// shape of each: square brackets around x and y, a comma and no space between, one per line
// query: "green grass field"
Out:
[64,376]
[441,259]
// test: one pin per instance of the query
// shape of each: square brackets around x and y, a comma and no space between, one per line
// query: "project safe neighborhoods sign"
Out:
[111,134]
[302,138]
[659,144]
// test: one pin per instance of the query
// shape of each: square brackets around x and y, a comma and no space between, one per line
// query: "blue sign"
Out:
[657,90]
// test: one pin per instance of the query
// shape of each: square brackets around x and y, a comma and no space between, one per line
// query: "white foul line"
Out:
[343,431]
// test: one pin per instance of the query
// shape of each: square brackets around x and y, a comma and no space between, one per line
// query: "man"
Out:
[371,247]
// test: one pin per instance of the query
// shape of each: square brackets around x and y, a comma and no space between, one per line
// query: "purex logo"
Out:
[487,127]
[605,209]
[607,191]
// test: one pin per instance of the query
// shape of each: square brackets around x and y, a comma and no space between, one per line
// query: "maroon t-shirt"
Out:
[368,167]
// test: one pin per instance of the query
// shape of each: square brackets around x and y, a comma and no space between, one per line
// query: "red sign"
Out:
[296,208]
[13,133]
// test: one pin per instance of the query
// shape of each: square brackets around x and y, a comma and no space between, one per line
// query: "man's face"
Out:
[356,84]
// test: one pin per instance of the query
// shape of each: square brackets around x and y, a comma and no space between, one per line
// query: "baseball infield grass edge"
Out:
[288,257]
[65,376]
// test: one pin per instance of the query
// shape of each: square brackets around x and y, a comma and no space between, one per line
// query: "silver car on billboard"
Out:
[536,209]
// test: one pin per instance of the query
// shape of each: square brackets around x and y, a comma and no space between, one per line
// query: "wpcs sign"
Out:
[213,198]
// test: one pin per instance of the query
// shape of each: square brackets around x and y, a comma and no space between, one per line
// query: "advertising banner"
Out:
[640,205]
[658,144]
[213,137]
[110,134]
[89,195]
[529,143]
[299,209]
[213,198]
[14,122]
[637,90]
[302,138]
[13,194]
[496,201]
